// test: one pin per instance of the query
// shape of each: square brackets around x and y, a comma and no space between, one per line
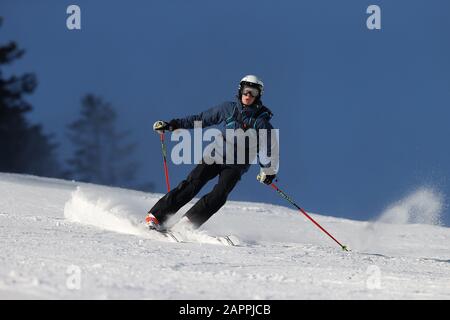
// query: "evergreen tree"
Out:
[100,154]
[24,148]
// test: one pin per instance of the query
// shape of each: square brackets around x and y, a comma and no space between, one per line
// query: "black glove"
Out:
[165,126]
[266,178]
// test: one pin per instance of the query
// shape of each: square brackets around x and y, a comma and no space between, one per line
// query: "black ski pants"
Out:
[188,189]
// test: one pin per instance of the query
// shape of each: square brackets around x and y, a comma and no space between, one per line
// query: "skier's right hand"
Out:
[163,126]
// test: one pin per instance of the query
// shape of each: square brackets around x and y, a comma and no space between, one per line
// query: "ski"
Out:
[229,240]
[171,235]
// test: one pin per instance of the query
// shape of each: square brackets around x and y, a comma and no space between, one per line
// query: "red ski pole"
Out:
[164,153]
[285,196]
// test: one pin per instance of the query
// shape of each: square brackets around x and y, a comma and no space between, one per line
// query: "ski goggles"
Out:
[250,91]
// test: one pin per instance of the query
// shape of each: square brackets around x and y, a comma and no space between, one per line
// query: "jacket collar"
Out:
[241,107]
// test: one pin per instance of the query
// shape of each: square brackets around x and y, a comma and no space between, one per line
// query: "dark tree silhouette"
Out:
[23,147]
[100,154]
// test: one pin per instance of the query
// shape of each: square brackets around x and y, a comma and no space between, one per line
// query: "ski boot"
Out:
[152,223]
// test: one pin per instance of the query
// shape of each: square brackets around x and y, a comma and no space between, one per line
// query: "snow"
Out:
[70,240]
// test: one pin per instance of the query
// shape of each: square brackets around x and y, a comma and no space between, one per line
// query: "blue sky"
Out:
[363,115]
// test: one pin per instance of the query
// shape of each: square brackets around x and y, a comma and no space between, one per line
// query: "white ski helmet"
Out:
[252,81]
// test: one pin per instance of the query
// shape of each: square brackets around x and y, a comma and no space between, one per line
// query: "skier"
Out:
[246,112]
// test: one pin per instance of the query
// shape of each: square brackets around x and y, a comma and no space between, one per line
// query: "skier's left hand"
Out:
[265,178]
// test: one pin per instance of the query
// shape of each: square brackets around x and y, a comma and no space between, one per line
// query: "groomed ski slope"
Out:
[68,240]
